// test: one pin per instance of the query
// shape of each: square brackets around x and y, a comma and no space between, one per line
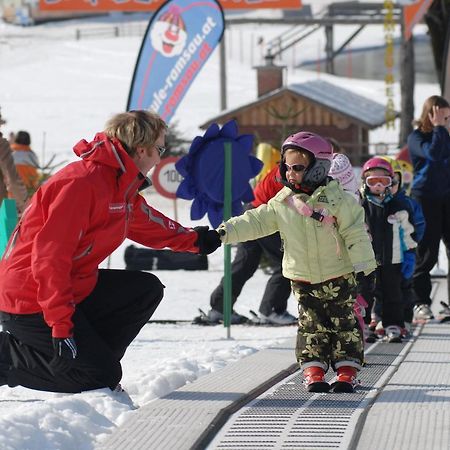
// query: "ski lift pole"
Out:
[227,247]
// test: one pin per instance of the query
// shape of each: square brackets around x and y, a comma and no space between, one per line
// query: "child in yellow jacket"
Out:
[325,242]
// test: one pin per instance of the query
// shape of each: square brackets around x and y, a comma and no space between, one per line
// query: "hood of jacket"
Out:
[110,152]
[103,150]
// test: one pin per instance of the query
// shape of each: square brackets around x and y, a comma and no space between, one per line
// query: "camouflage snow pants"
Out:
[328,331]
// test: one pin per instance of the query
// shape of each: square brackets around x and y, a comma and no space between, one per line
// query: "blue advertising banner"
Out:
[179,40]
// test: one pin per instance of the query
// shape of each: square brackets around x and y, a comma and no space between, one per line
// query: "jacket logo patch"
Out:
[322,198]
[116,208]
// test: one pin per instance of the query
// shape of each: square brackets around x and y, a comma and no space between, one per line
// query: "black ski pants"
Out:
[387,291]
[105,323]
[244,265]
[436,211]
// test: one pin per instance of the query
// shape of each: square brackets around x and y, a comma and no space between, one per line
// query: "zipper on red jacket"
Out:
[12,243]
[128,207]
[85,252]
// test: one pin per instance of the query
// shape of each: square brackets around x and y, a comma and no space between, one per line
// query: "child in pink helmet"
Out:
[392,232]
[325,242]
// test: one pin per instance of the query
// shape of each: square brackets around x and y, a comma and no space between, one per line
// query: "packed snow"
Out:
[61,90]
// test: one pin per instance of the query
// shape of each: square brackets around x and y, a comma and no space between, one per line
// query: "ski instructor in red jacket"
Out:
[67,324]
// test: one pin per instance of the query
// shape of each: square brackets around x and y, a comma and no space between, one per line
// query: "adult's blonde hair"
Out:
[135,129]
[424,123]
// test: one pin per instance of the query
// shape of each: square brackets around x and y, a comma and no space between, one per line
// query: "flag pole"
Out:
[227,247]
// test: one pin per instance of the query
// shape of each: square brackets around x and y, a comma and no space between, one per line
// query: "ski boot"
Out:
[346,380]
[369,336]
[255,319]
[407,330]
[314,379]
[203,319]
[274,318]
[444,314]
[214,317]
[422,314]
[393,334]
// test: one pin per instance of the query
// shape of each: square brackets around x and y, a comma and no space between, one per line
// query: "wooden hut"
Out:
[318,106]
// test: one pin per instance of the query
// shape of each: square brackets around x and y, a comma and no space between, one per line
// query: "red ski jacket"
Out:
[75,221]
[267,187]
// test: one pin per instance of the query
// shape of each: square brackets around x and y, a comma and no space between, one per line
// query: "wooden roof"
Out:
[337,100]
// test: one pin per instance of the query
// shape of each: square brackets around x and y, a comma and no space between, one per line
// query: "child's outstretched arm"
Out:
[253,224]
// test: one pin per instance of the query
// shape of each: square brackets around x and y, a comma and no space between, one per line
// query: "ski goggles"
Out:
[295,167]
[382,180]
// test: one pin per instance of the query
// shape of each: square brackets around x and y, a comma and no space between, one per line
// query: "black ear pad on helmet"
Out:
[316,173]
[283,170]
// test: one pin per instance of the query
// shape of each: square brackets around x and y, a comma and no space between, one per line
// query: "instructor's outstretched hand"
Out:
[208,240]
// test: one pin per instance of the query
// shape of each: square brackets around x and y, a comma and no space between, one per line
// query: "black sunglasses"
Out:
[295,167]
[160,149]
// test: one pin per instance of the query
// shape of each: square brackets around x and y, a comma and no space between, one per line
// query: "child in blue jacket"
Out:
[409,257]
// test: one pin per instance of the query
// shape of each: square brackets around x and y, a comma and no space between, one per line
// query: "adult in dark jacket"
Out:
[66,324]
[429,148]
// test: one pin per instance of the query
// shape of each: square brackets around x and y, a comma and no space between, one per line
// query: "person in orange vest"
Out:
[26,161]
[9,179]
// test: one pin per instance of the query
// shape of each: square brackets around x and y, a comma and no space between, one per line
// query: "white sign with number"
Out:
[166,178]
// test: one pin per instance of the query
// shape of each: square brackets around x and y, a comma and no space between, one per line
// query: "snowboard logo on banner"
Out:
[180,38]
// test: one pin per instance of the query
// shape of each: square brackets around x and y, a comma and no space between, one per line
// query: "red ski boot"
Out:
[346,380]
[314,379]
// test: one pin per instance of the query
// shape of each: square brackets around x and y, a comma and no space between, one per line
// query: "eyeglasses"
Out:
[385,181]
[295,167]
[160,149]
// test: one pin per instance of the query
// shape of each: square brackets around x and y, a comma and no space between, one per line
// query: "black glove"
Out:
[207,241]
[64,354]
[366,283]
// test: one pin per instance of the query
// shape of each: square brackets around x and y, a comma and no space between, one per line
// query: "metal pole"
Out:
[223,74]
[329,45]
[227,248]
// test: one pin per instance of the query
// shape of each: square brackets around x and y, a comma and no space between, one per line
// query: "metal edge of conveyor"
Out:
[224,414]
[418,330]
[382,382]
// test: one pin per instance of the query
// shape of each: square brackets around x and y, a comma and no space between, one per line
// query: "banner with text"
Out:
[152,5]
[179,40]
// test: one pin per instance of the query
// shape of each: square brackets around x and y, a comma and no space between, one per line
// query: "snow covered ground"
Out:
[62,90]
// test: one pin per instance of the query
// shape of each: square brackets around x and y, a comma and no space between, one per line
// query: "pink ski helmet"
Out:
[314,143]
[321,151]
[377,163]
